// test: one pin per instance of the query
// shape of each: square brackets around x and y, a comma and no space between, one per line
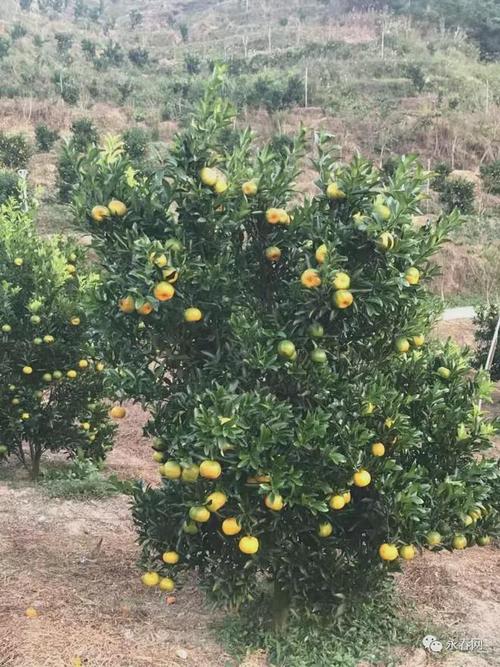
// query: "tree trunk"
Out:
[35,462]
[281,608]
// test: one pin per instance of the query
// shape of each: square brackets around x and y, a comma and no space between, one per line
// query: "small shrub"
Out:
[84,134]
[136,141]
[17,31]
[441,172]
[490,173]
[139,56]
[458,194]
[9,186]
[15,151]
[50,384]
[4,47]
[45,137]
[193,63]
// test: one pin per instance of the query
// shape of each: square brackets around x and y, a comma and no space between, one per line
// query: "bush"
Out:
[50,388]
[83,135]
[139,56]
[485,324]
[136,141]
[9,186]
[307,434]
[441,172]
[45,137]
[15,151]
[458,194]
[490,173]
[17,31]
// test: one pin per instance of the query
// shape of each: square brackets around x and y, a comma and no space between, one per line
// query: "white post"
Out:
[306,81]
[23,187]
[269,39]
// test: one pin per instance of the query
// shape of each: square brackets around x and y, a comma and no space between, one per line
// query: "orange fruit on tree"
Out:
[193,315]
[145,309]
[321,254]
[71,374]
[388,552]
[342,299]
[199,514]
[190,473]
[273,216]
[325,529]
[150,579]
[249,188]
[171,470]
[166,584]
[333,191]
[378,449]
[215,501]
[248,545]
[412,275]
[273,253]
[362,478]
[341,281]
[210,469]
[274,502]
[171,557]
[231,526]
[99,213]
[336,502]
[310,278]
[164,291]
[127,304]
[208,176]
[117,412]
[407,552]
[117,207]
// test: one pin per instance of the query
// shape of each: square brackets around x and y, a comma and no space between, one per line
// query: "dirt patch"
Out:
[461,331]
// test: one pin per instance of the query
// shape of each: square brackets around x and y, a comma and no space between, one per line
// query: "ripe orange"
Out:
[407,552]
[385,241]
[378,449]
[402,345]
[167,584]
[150,579]
[117,412]
[27,370]
[31,612]
[333,191]
[321,253]
[164,291]
[433,538]
[171,470]
[336,502]
[273,216]
[170,274]
[347,497]
[75,321]
[342,281]
[286,349]
[274,502]
[342,299]
[170,557]
[208,176]
[83,363]
[117,207]
[231,526]
[249,188]
[412,276]
[215,501]
[193,315]
[388,552]
[199,514]
[145,309]
[221,185]
[248,545]
[99,213]
[362,478]
[190,473]
[419,340]
[310,278]
[71,374]
[459,542]
[210,469]
[127,304]
[325,529]
[273,254]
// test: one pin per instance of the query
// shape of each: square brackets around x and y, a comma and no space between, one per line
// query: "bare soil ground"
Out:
[74,562]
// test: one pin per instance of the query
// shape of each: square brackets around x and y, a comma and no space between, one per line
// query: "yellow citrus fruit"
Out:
[199,514]
[145,309]
[286,349]
[343,299]
[31,612]
[263,479]
[402,345]
[27,370]
[378,449]
[193,315]
[190,528]
[170,557]
[382,210]
[171,470]
[273,216]
[117,412]
[367,409]
[336,502]
[164,291]
[150,579]
[310,278]
[388,551]
[248,545]
[249,188]
[321,253]
[385,241]
[362,478]
[99,213]
[99,366]
[160,261]
[75,321]
[342,281]
[333,191]
[274,502]
[158,457]
[444,372]
[419,340]
[127,304]
[347,497]
[167,584]
[325,529]
[221,185]
[210,469]
[284,217]
[83,363]
[231,526]
[190,473]
[412,275]
[117,207]
[170,274]
[215,501]
[18,261]
[85,426]
[209,176]
[25,416]
[459,542]
[433,538]
[71,374]
[484,540]
[468,520]
[273,253]
[407,552]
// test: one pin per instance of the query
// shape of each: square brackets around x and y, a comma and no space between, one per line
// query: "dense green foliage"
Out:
[15,151]
[45,137]
[276,343]
[486,321]
[50,388]
[490,173]
[458,193]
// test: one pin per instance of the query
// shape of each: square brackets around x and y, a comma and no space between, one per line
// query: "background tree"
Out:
[309,437]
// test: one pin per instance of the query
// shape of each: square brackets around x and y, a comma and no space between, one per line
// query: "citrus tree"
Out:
[309,437]
[50,388]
